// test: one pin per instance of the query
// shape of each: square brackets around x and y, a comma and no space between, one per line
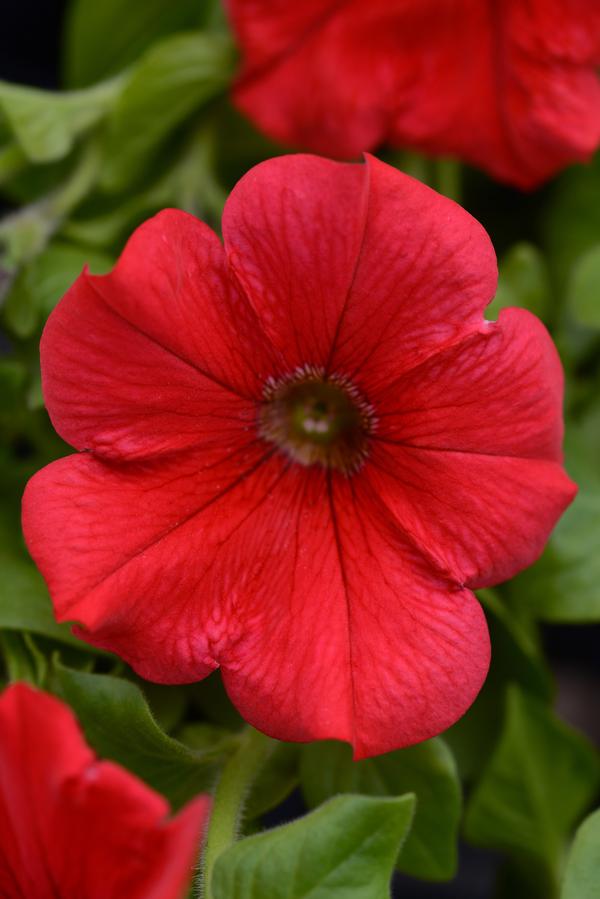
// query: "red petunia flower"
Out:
[511,87]
[299,451]
[72,826]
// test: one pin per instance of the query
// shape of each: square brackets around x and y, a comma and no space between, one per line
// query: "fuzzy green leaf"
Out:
[539,781]
[118,723]
[343,850]
[427,770]
[516,658]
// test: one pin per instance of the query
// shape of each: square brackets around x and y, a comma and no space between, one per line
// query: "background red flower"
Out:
[190,532]
[511,87]
[73,826]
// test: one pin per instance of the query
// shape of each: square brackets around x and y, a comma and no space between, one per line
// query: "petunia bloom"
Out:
[73,826]
[299,451]
[510,87]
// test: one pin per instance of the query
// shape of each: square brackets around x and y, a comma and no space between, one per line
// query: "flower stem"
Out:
[238,775]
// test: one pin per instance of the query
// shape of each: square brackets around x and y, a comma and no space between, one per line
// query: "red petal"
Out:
[253,581]
[357,636]
[497,392]
[356,267]
[135,552]
[425,273]
[420,645]
[111,837]
[482,518]
[467,449]
[292,229]
[266,29]
[522,99]
[317,85]
[155,356]
[73,826]
[40,748]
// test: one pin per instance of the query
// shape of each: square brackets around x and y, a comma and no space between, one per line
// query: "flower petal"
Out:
[299,607]
[356,268]
[134,552]
[266,29]
[522,100]
[482,518]
[292,229]
[35,760]
[468,449]
[309,82]
[111,838]
[154,357]
[498,392]
[73,826]
[359,638]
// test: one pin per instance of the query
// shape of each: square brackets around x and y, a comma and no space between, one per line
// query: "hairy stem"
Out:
[237,777]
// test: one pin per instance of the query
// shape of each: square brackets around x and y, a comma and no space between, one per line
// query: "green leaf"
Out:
[571,219]
[40,284]
[110,226]
[200,735]
[211,699]
[119,725]
[582,874]
[344,850]
[25,604]
[583,290]
[13,376]
[564,585]
[539,780]
[167,703]
[26,232]
[427,770]
[12,161]
[524,282]
[22,658]
[516,658]
[171,81]
[46,125]
[103,38]
[276,780]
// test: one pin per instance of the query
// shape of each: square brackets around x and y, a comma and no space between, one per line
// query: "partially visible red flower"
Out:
[72,826]
[509,86]
[299,451]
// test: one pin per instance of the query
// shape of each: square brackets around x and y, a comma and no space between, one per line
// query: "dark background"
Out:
[30,54]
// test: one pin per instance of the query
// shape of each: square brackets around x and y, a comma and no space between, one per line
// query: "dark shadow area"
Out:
[30,41]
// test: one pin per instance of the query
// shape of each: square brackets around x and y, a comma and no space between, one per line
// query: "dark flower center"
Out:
[317,420]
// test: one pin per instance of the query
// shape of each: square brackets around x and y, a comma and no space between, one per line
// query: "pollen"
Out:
[317,419]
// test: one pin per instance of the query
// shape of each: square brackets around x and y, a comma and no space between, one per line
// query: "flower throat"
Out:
[317,420]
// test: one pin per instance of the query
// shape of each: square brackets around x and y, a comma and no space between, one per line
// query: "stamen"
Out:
[317,419]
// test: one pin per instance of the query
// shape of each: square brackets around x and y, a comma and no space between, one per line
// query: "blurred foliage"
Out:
[582,874]
[144,122]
